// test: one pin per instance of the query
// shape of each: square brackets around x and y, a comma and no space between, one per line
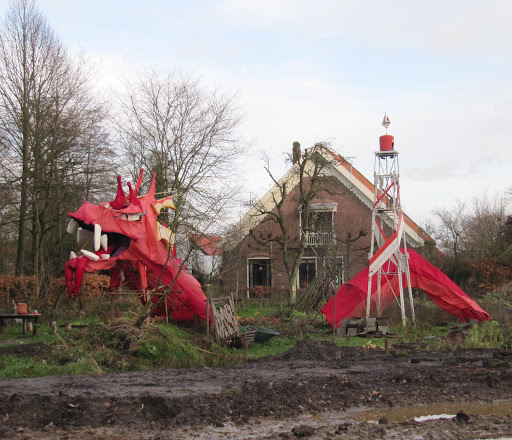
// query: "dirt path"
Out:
[316,390]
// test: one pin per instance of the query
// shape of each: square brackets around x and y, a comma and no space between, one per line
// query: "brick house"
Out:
[338,237]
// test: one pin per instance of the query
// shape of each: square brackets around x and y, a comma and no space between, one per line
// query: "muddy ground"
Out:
[316,390]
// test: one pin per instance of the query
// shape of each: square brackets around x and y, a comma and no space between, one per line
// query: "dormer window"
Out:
[320,229]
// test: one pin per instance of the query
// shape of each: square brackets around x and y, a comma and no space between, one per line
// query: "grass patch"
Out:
[254,309]
[274,346]
[16,366]
[166,346]
[15,332]
[420,331]
[119,347]
[488,334]
[293,326]
[97,348]
[280,344]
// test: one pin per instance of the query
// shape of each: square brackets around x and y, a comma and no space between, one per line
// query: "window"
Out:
[307,272]
[320,231]
[258,271]
[321,221]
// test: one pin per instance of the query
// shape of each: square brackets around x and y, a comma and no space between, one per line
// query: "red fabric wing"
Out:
[350,300]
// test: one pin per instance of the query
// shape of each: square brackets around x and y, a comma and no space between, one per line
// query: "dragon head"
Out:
[128,239]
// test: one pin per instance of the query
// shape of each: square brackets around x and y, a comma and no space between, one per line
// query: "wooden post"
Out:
[208,302]
[334,315]
[166,311]
[245,348]
[4,330]
[386,345]
[112,307]
[36,329]
[29,326]
[53,327]
[67,327]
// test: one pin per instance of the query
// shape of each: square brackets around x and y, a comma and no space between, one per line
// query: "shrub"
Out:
[23,289]
[488,334]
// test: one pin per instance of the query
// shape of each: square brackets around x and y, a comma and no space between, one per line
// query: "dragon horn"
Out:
[139,180]
[133,196]
[151,190]
[120,199]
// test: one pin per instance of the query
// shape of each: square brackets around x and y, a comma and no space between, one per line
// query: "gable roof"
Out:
[347,174]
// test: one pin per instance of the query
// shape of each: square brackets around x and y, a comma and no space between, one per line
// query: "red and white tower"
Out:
[388,250]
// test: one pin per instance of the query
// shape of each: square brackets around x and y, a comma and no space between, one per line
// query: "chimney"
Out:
[296,152]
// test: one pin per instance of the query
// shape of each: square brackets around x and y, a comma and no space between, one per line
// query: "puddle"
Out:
[438,411]
[261,429]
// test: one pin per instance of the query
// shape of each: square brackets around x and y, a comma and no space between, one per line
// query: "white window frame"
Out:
[248,265]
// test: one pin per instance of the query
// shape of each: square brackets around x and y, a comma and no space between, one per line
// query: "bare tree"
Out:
[308,175]
[474,240]
[171,125]
[51,131]
[452,225]
[485,228]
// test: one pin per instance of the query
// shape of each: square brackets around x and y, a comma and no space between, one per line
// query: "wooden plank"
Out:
[224,318]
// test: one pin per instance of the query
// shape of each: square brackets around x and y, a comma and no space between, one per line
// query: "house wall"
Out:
[352,228]
[204,265]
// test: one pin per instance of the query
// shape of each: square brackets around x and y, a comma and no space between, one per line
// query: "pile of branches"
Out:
[124,331]
[318,291]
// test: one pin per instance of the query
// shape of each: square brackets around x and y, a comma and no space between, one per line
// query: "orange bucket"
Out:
[21,308]
[387,142]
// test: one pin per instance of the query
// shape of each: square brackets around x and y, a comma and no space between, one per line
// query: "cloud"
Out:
[328,70]
[469,26]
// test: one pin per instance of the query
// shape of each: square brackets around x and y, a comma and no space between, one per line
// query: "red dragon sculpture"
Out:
[129,240]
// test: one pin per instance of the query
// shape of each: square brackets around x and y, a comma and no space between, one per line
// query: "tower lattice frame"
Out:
[386,259]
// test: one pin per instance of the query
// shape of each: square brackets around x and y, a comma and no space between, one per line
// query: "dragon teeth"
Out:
[90,255]
[72,226]
[105,256]
[104,242]
[72,255]
[97,237]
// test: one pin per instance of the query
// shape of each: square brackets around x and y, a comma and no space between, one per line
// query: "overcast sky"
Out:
[320,70]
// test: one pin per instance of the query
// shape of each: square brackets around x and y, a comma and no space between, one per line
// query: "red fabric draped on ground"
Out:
[350,300]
